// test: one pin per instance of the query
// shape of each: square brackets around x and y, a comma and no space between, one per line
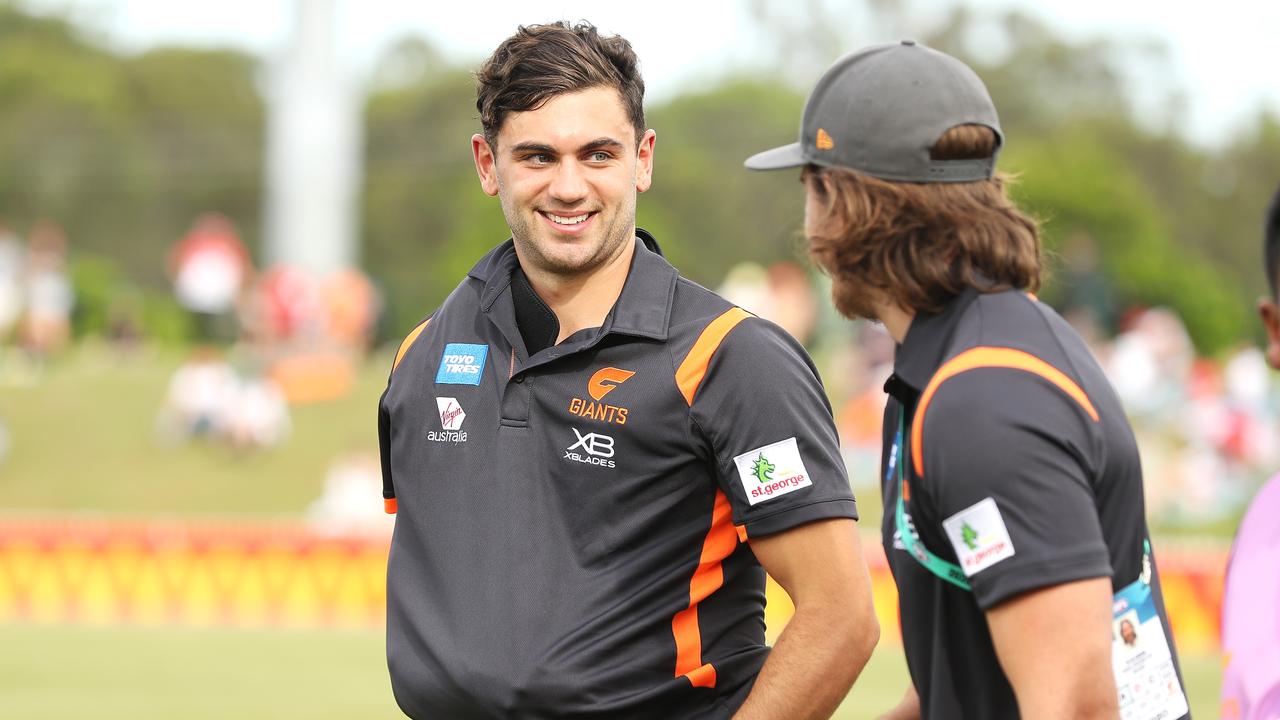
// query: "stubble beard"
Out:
[525,229]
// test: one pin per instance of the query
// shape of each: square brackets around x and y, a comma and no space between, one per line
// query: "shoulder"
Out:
[992,397]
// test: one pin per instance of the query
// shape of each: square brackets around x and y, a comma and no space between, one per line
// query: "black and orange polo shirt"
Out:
[1020,467]
[569,538]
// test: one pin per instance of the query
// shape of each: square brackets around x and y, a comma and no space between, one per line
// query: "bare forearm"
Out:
[809,672]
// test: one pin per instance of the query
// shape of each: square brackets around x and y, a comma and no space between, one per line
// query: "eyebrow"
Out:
[599,143]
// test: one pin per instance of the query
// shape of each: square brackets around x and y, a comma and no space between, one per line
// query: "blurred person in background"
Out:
[199,395]
[209,267]
[619,455]
[1013,503]
[49,295]
[11,272]
[1251,598]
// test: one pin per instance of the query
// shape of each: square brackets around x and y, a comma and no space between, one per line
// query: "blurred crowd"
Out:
[276,337]
[294,336]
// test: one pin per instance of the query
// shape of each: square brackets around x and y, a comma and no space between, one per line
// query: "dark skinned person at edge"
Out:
[1013,503]
[595,461]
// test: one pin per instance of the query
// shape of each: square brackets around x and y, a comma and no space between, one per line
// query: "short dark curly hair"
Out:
[540,62]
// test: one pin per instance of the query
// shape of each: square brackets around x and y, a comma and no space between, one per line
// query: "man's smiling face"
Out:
[567,174]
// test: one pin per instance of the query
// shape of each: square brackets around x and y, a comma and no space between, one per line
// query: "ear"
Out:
[486,164]
[1271,323]
[644,161]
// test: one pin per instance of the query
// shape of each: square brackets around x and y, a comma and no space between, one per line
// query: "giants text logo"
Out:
[603,382]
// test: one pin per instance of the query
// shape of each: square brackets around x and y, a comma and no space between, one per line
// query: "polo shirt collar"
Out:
[643,308]
[921,351]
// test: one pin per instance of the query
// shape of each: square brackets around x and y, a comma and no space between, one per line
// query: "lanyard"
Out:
[948,571]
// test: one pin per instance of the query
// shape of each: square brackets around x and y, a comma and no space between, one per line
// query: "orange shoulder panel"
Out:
[408,342]
[989,357]
[690,373]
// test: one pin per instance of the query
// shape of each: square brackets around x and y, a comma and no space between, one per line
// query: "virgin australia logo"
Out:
[451,418]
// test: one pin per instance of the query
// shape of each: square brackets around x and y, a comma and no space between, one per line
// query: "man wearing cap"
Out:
[594,461]
[1014,523]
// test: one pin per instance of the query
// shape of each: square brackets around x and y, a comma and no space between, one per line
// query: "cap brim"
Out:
[787,156]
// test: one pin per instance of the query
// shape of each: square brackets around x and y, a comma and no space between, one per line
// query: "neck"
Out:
[581,302]
[896,320]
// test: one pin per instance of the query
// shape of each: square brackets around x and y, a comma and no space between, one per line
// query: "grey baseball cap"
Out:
[878,110]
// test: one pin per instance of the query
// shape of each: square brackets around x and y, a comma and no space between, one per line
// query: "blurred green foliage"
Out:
[126,150]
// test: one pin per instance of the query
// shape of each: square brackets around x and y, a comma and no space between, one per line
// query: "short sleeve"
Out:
[762,409]
[1007,459]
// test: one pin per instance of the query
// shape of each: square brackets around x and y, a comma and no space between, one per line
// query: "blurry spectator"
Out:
[209,267]
[351,500]
[199,394]
[1251,599]
[290,307]
[781,294]
[257,416]
[1150,363]
[1087,301]
[351,309]
[11,270]
[49,296]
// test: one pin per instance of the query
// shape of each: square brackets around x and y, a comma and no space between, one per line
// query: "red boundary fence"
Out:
[107,571]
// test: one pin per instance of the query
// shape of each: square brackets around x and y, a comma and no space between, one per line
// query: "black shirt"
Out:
[570,533]
[1021,468]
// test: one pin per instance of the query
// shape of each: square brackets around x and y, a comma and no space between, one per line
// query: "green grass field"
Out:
[117,674]
[82,439]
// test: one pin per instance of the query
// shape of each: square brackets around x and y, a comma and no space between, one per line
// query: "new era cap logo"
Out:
[825,142]
[605,380]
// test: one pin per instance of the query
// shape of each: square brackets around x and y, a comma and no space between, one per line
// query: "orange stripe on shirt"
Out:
[719,544]
[989,357]
[690,373]
[408,342]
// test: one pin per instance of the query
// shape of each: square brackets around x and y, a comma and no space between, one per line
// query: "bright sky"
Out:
[1224,58]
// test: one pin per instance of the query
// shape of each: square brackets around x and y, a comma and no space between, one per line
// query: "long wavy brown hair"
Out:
[917,245]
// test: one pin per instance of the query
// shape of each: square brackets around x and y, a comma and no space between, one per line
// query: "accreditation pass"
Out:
[1146,680]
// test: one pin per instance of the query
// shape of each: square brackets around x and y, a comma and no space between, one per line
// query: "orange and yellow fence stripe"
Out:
[193,573]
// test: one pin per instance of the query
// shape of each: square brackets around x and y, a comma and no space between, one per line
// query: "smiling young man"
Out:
[1013,501]
[594,461]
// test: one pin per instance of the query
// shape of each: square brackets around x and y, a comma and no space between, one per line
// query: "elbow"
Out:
[868,636]
[860,632]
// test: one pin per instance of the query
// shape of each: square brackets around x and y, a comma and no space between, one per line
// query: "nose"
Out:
[569,185]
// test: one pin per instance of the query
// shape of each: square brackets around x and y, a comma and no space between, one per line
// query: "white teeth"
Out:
[559,220]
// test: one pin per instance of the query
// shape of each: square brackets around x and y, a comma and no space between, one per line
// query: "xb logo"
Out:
[605,380]
[594,443]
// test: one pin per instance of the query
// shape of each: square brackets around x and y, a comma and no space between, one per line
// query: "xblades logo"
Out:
[598,449]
